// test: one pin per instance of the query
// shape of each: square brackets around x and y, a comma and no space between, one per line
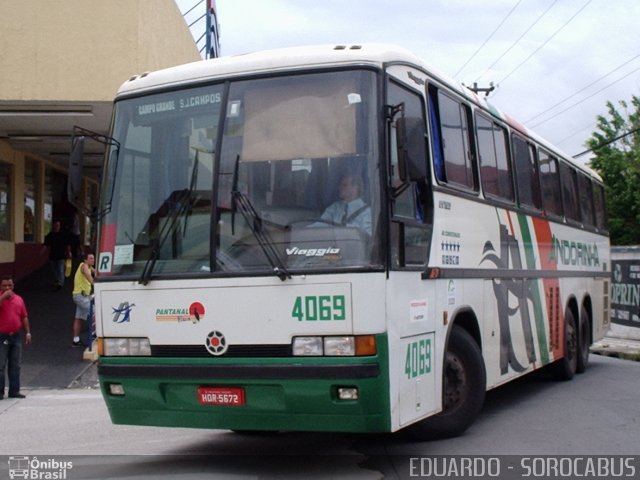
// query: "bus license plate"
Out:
[221,396]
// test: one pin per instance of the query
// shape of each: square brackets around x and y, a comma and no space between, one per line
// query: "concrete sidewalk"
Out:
[626,348]
[50,361]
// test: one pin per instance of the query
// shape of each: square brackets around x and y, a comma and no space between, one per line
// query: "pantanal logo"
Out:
[194,313]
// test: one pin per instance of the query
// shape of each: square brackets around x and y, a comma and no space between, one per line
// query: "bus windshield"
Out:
[259,175]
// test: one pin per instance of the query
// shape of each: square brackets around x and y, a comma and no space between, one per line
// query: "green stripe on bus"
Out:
[538,311]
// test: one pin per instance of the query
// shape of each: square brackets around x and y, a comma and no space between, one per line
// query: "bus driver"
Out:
[350,210]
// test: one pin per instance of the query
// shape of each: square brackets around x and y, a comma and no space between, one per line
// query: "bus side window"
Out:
[550,183]
[436,138]
[599,207]
[586,200]
[451,142]
[495,170]
[526,169]
[569,192]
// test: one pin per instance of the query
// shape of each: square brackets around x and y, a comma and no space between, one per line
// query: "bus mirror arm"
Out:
[76,163]
[411,143]
[76,168]
[412,151]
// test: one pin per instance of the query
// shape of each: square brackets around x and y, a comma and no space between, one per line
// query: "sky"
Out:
[555,63]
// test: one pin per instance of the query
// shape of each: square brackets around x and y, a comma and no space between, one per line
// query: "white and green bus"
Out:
[229,295]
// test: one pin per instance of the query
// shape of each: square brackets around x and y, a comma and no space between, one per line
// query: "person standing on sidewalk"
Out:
[82,285]
[13,319]
[59,251]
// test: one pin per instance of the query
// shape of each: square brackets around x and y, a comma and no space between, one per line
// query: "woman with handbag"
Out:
[82,290]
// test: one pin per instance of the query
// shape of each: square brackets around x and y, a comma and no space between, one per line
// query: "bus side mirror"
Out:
[412,151]
[74,184]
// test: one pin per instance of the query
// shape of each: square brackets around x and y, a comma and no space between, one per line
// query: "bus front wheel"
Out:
[463,389]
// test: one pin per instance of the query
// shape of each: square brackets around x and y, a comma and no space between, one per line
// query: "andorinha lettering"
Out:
[568,252]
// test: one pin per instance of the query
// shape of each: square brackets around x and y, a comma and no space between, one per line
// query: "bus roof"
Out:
[294,58]
[317,56]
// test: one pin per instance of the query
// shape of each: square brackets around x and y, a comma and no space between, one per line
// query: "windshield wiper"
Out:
[192,187]
[261,234]
[241,202]
[180,207]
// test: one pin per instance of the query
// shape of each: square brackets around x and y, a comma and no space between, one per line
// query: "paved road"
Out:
[595,414]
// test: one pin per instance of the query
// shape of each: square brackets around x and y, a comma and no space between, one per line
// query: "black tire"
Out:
[584,341]
[464,386]
[565,368]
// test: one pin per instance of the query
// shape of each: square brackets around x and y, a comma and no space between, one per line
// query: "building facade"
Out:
[62,62]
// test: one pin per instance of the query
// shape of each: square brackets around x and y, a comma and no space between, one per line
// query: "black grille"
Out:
[233,351]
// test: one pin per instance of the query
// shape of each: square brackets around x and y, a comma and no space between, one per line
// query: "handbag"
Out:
[67,267]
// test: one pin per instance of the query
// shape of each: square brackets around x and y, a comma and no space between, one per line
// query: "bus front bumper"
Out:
[300,394]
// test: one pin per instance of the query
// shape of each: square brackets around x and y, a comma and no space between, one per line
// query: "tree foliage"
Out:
[616,146]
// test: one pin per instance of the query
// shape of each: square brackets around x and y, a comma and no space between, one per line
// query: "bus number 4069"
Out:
[418,360]
[322,307]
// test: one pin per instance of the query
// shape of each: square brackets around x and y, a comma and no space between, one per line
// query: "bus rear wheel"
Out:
[463,389]
[584,341]
[566,367]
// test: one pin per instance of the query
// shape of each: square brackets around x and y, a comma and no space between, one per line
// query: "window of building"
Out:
[31,182]
[495,170]
[47,201]
[5,201]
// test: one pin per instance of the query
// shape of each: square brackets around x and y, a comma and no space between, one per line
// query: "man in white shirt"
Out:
[350,210]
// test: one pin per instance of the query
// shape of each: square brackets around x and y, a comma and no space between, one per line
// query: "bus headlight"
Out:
[307,346]
[339,346]
[126,347]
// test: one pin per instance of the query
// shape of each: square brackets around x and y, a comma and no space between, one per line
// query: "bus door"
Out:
[410,300]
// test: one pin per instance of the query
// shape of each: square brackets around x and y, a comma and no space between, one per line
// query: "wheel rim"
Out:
[456,386]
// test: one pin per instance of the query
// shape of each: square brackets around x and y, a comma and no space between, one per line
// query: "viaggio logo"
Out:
[312,252]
